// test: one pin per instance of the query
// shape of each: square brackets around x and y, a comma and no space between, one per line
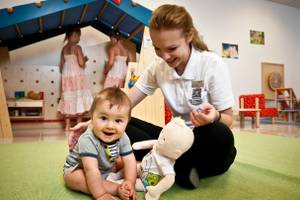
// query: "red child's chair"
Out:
[253,105]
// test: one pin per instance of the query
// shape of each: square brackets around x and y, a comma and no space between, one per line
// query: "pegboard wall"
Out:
[18,77]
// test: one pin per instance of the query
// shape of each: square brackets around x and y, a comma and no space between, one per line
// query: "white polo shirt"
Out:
[205,78]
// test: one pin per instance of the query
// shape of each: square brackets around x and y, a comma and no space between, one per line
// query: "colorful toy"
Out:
[156,170]
[118,2]
[19,94]
[35,96]
[132,80]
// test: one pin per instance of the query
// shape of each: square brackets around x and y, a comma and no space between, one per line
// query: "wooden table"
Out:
[255,118]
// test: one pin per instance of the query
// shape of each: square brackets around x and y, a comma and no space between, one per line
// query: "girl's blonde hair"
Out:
[176,17]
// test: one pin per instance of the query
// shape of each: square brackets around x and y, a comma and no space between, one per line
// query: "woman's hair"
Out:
[72,30]
[115,96]
[176,17]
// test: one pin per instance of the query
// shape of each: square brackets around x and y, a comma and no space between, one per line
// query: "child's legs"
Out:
[67,122]
[76,181]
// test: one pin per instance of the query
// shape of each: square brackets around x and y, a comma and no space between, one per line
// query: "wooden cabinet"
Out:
[25,109]
[286,102]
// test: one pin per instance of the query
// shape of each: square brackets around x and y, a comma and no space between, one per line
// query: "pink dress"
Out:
[76,96]
[117,74]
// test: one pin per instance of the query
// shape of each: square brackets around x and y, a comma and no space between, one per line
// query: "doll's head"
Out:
[174,139]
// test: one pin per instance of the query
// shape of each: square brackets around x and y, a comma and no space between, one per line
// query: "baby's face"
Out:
[109,123]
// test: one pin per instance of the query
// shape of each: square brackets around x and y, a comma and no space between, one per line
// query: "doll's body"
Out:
[156,171]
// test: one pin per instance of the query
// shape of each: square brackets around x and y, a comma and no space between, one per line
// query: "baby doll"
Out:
[156,171]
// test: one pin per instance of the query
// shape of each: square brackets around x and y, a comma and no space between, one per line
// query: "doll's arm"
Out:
[163,185]
[147,144]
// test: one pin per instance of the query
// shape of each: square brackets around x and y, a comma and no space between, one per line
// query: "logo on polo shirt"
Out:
[199,94]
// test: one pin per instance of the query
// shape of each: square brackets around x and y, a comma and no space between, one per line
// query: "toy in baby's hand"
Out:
[156,170]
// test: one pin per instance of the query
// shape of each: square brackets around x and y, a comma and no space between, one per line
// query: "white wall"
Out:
[47,52]
[218,21]
[230,21]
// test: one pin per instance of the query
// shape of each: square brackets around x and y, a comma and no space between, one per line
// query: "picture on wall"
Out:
[230,50]
[257,37]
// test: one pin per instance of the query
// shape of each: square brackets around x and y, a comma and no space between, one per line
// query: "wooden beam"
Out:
[136,31]
[41,24]
[17,27]
[83,13]
[120,20]
[5,126]
[62,18]
[102,10]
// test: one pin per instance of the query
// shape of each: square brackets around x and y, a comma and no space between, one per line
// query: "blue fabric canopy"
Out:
[29,23]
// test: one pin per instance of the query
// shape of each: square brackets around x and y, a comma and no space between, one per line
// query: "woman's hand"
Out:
[205,114]
[75,133]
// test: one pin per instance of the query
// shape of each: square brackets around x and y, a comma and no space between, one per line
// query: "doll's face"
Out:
[174,140]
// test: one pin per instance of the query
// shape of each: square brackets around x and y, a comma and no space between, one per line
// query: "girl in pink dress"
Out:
[76,96]
[116,68]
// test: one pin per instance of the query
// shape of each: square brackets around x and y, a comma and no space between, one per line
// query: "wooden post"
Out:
[5,126]
[257,114]
[242,117]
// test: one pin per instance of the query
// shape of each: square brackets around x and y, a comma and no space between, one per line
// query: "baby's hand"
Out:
[126,191]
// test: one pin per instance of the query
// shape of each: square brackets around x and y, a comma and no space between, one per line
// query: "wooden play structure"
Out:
[253,105]
[287,104]
[151,109]
[5,126]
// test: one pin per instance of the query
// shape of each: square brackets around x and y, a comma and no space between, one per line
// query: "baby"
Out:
[97,150]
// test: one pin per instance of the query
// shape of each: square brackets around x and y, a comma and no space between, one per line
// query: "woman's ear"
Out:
[190,35]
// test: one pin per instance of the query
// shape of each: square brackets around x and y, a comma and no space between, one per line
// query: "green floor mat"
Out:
[267,167]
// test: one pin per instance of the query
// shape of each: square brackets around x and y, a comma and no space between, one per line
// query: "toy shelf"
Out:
[286,103]
[25,109]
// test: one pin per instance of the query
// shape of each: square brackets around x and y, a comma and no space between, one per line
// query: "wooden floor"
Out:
[270,129]
[54,131]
